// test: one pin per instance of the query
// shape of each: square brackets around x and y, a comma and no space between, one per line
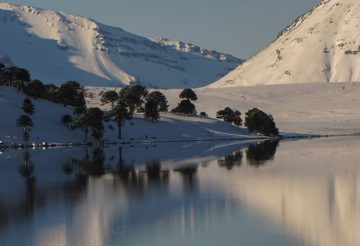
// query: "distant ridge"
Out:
[56,47]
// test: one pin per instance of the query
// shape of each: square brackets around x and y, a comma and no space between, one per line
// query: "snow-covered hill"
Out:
[320,108]
[48,127]
[323,45]
[58,47]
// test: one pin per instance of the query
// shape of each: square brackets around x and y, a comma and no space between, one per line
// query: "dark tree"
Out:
[203,114]
[50,91]
[92,120]
[160,99]
[70,93]
[120,113]
[185,107]
[21,74]
[24,121]
[80,100]
[28,106]
[66,120]
[95,117]
[109,97]
[15,77]
[79,110]
[260,122]
[230,116]
[133,96]
[151,111]
[188,94]
[35,88]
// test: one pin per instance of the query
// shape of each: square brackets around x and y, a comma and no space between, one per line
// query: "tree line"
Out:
[131,99]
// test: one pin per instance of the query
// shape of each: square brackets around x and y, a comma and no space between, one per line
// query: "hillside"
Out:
[58,47]
[48,126]
[326,109]
[323,45]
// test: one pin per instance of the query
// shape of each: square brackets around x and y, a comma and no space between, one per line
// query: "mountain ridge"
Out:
[319,46]
[96,54]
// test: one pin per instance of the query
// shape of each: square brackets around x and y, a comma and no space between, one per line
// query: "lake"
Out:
[304,192]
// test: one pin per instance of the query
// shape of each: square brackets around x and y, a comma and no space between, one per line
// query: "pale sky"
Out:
[238,27]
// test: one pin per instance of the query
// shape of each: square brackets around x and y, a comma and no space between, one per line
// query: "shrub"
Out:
[185,107]
[260,122]
[230,116]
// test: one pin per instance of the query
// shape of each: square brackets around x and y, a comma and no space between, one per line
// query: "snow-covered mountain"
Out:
[57,47]
[323,45]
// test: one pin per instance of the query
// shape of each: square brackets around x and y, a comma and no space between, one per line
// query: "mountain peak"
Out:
[320,46]
[56,47]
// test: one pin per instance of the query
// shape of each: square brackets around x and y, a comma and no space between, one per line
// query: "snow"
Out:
[48,126]
[57,47]
[320,46]
[320,108]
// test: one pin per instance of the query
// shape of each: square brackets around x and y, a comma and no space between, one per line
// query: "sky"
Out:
[238,27]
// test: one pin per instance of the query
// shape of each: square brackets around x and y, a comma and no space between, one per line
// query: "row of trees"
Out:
[136,98]
[255,120]
[131,99]
[25,121]
[70,93]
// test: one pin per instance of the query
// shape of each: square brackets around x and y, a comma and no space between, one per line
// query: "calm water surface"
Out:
[289,193]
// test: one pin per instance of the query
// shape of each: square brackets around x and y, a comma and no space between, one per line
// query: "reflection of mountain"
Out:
[60,204]
[312,193]
[321,211]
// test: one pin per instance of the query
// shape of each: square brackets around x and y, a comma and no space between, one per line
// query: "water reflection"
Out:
[27,168]
[259,154]
[232,160]
[94,165]
[104,197]
[256,155]
[135,182]
[189,176]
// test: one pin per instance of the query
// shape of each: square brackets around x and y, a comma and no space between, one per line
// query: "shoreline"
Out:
[45,146]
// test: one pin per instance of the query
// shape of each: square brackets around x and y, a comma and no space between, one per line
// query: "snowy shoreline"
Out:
[148,142]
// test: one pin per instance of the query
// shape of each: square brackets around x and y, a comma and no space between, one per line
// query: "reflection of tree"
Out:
[189,174]
[153,169]
[155,173]
[68,167]
[259,154]
[122,169]
[93,166]
[231,160]
[26,170]
[36,197]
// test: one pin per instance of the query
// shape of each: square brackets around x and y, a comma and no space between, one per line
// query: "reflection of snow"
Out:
[310,191]
[314,198]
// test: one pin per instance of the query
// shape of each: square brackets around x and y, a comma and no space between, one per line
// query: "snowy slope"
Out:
[48,127]
[331,108]
[58,47]
[321,46]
